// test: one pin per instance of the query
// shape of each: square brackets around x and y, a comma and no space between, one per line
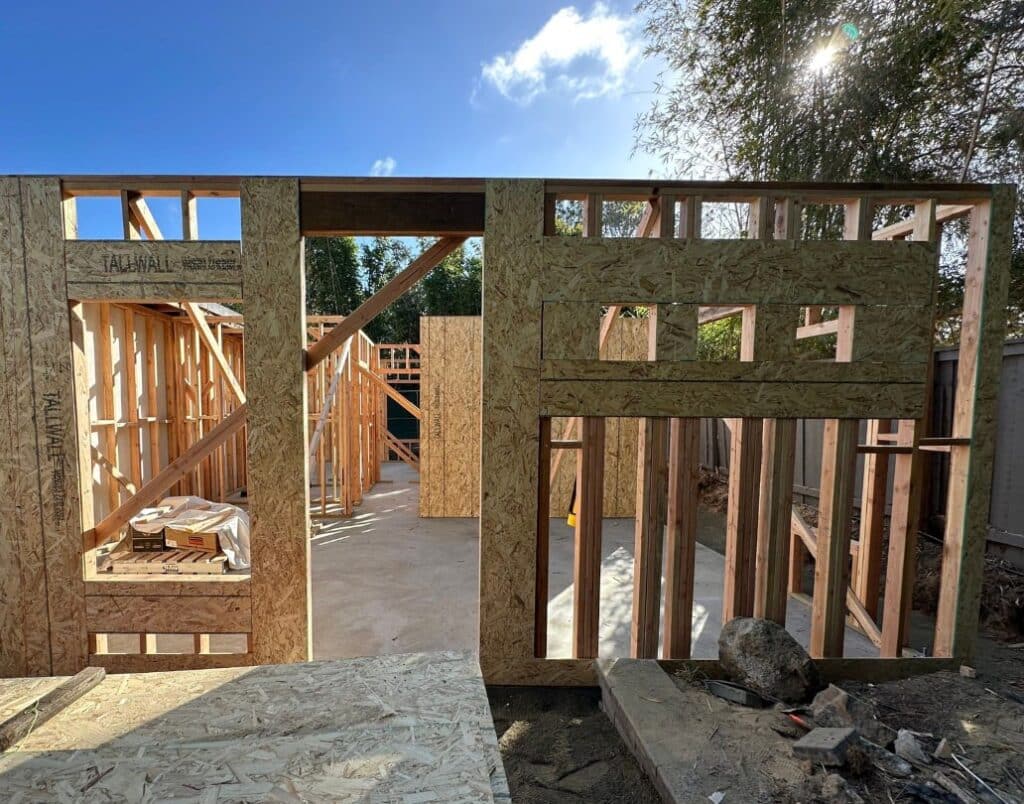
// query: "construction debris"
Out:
[835,707]
[910,749]
[944,750]
[764,656]
[825,746]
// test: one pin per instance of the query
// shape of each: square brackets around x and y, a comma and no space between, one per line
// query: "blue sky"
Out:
[415,88]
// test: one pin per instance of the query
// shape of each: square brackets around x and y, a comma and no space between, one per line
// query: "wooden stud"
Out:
[540,627]
[587,553]
[681,536]
[189,216]
[908,479]
[970,467]
[21,724]
[278,463]
[508,474]
[128,225]
[838,475]
[130,396]
[198,318]
[774,513]
[651,513]
[872,520]
[758,335]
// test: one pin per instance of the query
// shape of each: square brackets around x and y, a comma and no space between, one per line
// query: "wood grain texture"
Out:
[570,330]
[277,438]
[741,518]
[450,433]
[586,597]
[728,371]
[450,423]
[16,728]
[729,399]
[831,564]
[681,535]
[874,489]
[54,410]
[775,504]
[124,614]
[713,272]
[974,417]
[509,459]
[675,331]
[154,270]
[24,646]
[648,536]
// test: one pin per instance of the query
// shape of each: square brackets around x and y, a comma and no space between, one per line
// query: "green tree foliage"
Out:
[454,287]
[382,259]
[873,90]
[333,286]
[340,275]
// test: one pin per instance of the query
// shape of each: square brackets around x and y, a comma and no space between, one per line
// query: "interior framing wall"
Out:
[45,275]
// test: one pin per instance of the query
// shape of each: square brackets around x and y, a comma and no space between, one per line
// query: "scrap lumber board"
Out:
[690,743]
[35,714]
[413,727]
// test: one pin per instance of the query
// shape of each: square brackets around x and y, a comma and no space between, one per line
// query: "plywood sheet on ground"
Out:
[413,727]
[450,436]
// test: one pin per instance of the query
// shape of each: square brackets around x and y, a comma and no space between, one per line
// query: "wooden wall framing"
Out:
[48,519]
[872,278]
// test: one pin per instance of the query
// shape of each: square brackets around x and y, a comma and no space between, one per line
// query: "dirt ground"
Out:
[558,746]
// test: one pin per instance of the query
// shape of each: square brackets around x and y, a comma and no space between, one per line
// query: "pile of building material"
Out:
[183,535]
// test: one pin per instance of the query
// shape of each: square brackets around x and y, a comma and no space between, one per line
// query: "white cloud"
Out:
[585,56]
[384,167]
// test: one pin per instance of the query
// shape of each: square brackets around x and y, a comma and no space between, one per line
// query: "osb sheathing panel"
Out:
[149,270]
[24,637]
[406,728]
[450,401]
[54,410]
[650,270]
[275,380]
[514,219]
[119,614]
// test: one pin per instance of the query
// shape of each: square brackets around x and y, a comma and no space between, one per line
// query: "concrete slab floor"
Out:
[386,581]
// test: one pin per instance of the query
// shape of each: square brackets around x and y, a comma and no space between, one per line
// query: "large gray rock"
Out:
[764,656]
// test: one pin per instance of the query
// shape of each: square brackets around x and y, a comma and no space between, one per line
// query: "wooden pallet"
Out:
[166,562]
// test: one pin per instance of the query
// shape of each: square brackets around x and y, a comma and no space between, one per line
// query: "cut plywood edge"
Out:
[414,727]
